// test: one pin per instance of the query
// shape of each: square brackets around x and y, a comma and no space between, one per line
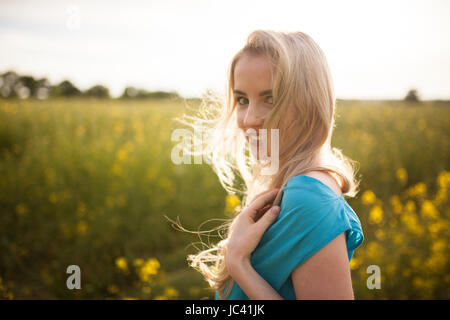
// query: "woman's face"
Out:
[253,96]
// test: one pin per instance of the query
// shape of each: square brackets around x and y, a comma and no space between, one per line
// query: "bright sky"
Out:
[376,49]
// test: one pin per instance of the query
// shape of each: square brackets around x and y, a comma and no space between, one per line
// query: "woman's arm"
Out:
[325,275]
[254,286]
[247,230]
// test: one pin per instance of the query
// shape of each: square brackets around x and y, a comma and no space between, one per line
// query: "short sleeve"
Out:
[310,218]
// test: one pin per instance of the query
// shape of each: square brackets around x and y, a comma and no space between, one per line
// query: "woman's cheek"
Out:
[240,118]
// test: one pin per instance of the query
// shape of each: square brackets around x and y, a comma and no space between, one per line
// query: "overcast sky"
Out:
[376,49]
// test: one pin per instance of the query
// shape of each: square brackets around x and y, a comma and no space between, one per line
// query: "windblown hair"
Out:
[304,114]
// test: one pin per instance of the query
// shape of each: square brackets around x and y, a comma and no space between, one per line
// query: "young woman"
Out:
[300,249]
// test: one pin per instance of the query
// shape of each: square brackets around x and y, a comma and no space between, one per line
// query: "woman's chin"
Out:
[255,153]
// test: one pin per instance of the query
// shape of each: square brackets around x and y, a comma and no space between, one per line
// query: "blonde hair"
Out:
[303,87]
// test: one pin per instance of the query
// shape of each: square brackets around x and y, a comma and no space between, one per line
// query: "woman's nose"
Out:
[252,119]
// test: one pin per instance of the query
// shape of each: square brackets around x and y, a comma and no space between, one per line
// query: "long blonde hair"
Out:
[303,87]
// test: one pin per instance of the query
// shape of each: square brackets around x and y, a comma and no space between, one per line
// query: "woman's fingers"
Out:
[260,202]
[261,211]
[267,219]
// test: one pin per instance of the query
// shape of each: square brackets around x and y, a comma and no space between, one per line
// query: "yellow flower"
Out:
[417,190]
[368,197]
[138,262]
[410,206]
[444,179]
[374,250]
[231,203]
[354,263]
[421,283]
[396,204]
[429,210]
[171,292]
[150,268]
[113,289]
[440,196]
[21,209]
[81,210]
[121,263]
[439,246]
[8,295]
[81,227]
[398,238]
[410,220]
[380,234]
[376,215]
[122,153]
[53,197]
[402,175]
[436,227]
[436,262]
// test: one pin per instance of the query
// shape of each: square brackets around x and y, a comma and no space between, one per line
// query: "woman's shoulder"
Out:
[315,199]
[326,179]
[312,185]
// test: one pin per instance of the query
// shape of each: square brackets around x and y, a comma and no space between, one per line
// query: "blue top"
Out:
[311,216]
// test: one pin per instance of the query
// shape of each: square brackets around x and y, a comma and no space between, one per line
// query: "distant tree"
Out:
[412,96]
[30,83]
[25,86]
[8,82]
[162,94]
[98,91]
[43,88]
[65,89]
[130,92]
[13,85]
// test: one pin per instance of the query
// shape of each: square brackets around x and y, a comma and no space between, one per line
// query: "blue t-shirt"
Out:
[311,216]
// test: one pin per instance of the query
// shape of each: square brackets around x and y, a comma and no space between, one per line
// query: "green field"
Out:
[88,182]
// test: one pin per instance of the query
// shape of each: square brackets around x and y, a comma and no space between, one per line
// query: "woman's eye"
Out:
[240,99]
[244,101]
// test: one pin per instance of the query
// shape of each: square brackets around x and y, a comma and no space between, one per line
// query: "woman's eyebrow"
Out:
[263,93]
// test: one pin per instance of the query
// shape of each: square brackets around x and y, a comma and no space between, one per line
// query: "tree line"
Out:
[13,85]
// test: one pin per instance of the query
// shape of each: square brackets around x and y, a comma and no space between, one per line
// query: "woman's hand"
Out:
[248,228]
